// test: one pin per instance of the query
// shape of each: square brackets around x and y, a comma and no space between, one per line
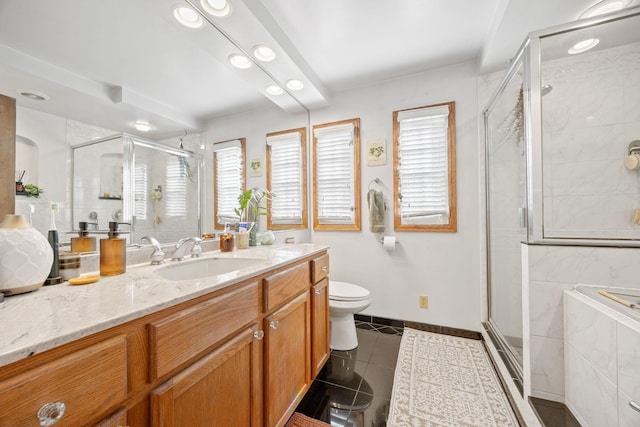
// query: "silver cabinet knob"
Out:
[274,324]
[324,268]
[258,335]
[50,413]
[634,405]
[318,291]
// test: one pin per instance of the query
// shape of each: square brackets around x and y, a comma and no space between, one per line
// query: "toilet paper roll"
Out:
[389,243]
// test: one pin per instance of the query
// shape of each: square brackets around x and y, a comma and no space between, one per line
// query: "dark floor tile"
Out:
[327,402]
[553,414]
[315,403]
[378,381]
[344,373]
[386,351]
[389,330]
[365,325]
[362,318]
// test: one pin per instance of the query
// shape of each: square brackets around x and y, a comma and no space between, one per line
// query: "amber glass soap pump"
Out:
[83,243]
[113,253]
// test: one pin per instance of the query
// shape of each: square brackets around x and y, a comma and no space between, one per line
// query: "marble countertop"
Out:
[54,315]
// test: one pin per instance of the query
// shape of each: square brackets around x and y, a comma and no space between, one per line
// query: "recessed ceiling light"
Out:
[187,16]
[141,126]
[34,94]
[274,90]
[294,84]
[605,6]
[583,46]
[264,53]
[219,8]
[239,61]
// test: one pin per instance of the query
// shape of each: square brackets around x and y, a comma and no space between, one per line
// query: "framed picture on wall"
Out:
[377,152]
[256,166]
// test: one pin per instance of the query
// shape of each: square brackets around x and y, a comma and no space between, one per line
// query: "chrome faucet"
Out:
[157,256]
[183,245]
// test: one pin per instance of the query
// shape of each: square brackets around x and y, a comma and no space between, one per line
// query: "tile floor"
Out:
[354,387]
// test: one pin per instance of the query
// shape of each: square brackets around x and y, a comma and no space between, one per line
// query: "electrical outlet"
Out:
[424,301]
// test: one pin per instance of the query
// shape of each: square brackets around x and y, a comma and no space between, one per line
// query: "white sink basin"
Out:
[205,267]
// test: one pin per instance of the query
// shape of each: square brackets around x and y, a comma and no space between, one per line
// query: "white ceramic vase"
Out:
[25,256]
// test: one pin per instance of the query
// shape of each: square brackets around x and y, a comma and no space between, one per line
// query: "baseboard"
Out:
[401,324]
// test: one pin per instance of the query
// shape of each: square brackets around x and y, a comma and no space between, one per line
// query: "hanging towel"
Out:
[376,211]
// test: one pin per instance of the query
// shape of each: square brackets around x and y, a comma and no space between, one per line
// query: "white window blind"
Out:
[141,194]
[175,197]
[423,169]
[229,179]
[335,174]
[286,178]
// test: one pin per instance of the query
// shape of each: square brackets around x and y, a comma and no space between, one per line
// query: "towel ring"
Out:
[376,181]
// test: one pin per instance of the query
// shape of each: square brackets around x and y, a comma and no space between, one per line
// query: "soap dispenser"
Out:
[83,243]
[113,253]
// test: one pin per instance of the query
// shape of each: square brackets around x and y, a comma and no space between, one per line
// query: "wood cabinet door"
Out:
[117,419]
[218,390]
[319,326]
[287,359]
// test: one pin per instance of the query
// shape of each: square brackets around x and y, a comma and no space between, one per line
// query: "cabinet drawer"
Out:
[90,383]
[283,286]
[319,268]
[180,337]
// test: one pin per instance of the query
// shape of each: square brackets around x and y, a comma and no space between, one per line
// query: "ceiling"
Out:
[111,63]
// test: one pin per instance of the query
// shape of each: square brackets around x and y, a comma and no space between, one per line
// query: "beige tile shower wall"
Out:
[553,269]
[589,118]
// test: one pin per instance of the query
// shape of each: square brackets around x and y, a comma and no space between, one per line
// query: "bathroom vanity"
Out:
[238,348]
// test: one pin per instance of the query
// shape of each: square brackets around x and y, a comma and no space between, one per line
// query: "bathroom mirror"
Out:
[590,92]
[153,188]
[56,130]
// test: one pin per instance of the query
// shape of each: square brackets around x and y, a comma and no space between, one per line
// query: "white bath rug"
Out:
[445,381]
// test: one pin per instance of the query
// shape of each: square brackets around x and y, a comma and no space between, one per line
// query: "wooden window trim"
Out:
[305,215]
[356,177]
[452,226]
[217,226]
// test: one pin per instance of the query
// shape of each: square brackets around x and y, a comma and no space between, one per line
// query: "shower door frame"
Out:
[521,60]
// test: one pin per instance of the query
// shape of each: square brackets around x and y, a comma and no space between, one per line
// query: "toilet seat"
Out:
[342,291]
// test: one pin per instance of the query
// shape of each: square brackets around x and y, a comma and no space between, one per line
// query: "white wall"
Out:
[443,266]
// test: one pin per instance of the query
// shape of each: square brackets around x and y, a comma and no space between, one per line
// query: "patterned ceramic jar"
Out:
[25,256]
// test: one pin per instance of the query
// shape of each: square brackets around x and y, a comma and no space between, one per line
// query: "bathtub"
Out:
[602,356]
[629,294]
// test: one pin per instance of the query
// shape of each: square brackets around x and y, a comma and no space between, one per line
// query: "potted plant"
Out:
[251,208]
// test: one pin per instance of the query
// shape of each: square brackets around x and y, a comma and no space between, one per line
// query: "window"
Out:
[287,179]
[336,175]
[176,174]
[425,168]
[140,192]
[228,179]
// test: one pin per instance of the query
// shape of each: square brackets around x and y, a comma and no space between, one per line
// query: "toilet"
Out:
[345,299]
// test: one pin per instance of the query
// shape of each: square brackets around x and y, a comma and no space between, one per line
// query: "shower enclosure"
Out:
[153,187]
[557,132]
[506,226]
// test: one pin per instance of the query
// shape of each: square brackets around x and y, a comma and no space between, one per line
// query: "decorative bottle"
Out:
[83,243]
[113,253]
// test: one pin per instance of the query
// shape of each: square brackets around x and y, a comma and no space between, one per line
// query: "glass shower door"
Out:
[506,217]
